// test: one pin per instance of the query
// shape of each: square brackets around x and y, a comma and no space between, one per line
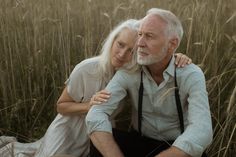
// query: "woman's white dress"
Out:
[66,134]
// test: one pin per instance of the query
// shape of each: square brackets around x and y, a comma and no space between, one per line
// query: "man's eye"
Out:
[149,36]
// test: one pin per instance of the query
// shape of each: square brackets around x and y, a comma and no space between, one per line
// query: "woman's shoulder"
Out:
[89,64]
[86,67]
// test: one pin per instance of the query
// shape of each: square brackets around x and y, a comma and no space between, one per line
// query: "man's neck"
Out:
[156,70]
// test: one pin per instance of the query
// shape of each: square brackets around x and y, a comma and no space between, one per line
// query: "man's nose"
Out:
[140,41]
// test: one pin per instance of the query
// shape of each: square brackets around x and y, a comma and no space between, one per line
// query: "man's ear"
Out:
[173,44]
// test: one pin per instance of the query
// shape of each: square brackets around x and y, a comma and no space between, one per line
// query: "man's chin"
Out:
[141,62]
[144,61]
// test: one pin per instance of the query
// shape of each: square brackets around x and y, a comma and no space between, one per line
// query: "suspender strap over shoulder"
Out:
[178,105]
[140,101]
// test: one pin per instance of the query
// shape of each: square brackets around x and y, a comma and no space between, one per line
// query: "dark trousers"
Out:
[132,144]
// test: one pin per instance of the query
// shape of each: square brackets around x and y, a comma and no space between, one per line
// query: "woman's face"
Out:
[122,48]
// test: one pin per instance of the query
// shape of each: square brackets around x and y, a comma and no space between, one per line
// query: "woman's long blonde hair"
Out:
[105,69]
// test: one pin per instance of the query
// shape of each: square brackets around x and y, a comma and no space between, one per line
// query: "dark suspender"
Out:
[140,101]
[178,105]
[177,99]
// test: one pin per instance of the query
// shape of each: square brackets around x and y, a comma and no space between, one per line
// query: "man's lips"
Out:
[142,53]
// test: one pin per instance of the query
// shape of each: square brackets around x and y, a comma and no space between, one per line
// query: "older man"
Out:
[155,115]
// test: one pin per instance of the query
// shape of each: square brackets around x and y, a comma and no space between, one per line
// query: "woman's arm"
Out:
[67,106]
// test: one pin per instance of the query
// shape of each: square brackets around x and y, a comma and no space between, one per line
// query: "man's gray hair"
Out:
[174,26]
[106,68]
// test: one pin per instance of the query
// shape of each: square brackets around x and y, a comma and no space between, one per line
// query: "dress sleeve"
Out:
[75,84]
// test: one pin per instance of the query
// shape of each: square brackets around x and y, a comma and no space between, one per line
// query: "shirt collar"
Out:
[171,67]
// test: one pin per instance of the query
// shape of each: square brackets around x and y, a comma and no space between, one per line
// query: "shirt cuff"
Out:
[95,124]
[195,150]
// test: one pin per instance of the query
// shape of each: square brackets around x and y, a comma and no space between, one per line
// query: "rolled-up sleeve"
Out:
[97,120]
[98,116]
[198,132]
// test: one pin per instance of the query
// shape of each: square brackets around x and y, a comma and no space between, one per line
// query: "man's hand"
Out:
[173,152]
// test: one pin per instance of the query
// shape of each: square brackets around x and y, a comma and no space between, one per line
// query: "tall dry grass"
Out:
[41,42]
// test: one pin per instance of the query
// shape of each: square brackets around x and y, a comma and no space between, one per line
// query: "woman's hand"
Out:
[181,60]
[99,97]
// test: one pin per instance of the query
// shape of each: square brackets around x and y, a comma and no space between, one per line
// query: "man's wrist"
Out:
[173,151]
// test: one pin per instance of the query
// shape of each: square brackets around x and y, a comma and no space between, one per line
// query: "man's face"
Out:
[152,41]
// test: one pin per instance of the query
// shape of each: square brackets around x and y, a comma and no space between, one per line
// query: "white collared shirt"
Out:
[160,117]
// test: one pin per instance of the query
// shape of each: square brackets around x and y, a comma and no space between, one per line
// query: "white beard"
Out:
[151,58]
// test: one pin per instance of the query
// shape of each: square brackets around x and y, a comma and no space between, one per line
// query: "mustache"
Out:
[141,50]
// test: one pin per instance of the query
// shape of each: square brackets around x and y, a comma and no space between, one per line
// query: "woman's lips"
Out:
[120,61]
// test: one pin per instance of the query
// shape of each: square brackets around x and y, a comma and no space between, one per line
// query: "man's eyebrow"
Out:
[148,32]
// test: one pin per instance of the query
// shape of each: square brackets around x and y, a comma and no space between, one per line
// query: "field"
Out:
[42,40]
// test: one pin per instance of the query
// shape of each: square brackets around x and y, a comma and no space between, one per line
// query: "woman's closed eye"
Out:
[120,44]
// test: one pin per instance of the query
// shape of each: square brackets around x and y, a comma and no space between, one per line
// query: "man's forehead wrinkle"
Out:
[152,24]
